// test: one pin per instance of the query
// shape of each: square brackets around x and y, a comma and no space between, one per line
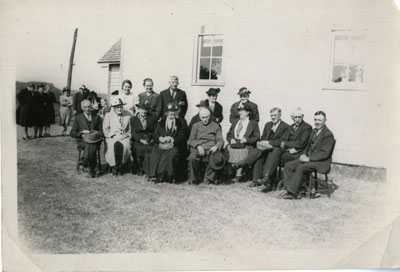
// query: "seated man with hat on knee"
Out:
[87,129]
[205,143]
[117,130]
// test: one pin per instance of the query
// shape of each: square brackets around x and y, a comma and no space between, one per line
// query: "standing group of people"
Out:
[36,110]
[150,129]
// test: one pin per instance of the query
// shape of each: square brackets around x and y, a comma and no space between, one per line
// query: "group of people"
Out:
[150,130]
[36,110]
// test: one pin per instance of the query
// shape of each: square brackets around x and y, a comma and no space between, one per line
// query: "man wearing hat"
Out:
[87,130]
[244,94]
[205,143]
[215,107]
[204,104]
[172,95]
[142,127]
[117,130]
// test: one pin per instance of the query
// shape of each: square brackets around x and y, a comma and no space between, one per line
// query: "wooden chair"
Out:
[98,160]
[313,182]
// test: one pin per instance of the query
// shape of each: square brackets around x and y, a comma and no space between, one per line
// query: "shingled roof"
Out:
[113,54]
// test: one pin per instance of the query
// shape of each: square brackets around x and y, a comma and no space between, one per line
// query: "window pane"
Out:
[341,52]
[216,65]
[356,73]
[204,68]
[339,73]
[217,46]
[205,46]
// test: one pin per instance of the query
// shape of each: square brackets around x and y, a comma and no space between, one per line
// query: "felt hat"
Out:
[203,103]
[213,91]
[244,90]
[92,137]
[216,160]
[116,101]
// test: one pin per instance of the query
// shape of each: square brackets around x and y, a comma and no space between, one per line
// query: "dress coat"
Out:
[116,130]
[298,138]
[217,112]
[234,115]
[165,161]
[165,98]
[25,110]
[50,99]
[141,133]
[39,111]
[275,140]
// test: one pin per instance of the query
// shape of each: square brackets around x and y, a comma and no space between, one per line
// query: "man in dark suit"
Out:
[292,143]
[172,95]
[87,123]
[271,137]
[244,94]
[316,156]
[78,98]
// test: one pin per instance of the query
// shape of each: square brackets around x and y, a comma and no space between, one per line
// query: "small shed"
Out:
[112,60]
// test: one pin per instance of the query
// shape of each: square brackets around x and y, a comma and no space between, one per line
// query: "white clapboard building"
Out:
[341,57]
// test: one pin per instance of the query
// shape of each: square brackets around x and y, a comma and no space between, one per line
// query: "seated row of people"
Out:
[161,148]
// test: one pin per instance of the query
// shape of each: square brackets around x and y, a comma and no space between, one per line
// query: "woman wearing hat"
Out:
[242,136]
[170,138]
[244,94]
[24,112]
[65,109]
[215,107]
[50,116]
[142,125]
[117,130]
[149,97]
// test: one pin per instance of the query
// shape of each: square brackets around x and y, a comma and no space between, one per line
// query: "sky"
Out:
[42,36]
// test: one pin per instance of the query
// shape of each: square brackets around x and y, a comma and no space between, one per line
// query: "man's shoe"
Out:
[254,183]
[114,171]
[265,180]
[290,196]
[265,189]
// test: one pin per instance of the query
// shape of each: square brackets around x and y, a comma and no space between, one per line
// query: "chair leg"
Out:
[327,185]
[310,185]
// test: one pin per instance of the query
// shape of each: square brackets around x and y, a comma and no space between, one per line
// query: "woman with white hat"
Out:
[117,130]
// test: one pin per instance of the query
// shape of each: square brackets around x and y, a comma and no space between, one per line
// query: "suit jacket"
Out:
[235,113]
[322,149]
[151,101]
[178,134]
[300,136]
[275,141]
[206,136]
[81,123]
[78,97]
[138,133]
[165,97]
[217,113]
[252,133]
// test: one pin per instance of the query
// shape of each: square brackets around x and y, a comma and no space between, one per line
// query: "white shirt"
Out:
[129,100]
[275,126]
[245,123]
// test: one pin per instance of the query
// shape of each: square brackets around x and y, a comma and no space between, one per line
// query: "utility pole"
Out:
[71,59]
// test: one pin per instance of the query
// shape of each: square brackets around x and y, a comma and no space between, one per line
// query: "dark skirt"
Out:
[161,162]
[24,115]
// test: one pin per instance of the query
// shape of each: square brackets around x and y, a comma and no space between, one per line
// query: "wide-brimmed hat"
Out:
[142,105]
[92,137]
[116,101]
[65,90]
[246,107]
[116,92]
[171,107]
[213,91]
[216,160]
[244,90]
[203,103]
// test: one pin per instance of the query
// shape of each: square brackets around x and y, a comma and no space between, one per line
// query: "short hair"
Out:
[147,79]
[204,111]
[297,110]
[85,101]
[126,81]
[173,77]
[320,113]
[275,110]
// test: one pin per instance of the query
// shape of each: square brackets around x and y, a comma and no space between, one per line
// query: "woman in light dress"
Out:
[65,109]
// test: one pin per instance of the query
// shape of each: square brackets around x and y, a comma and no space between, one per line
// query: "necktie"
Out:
[120,120]
[239,129]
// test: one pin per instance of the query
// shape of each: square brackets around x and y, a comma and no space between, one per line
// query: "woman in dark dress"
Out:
[49,115]
[39,112]
[24,112]
[215,107]
[164,158]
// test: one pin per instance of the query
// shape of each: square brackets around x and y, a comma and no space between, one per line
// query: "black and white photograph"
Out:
[200,135]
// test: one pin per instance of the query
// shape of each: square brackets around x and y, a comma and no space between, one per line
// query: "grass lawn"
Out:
[61,212]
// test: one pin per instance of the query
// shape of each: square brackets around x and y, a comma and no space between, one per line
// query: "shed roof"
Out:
[113,54]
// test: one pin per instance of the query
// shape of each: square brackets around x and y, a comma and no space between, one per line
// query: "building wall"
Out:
[280,50]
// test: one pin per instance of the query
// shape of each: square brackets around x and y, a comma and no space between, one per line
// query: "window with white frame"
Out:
[348,59]
[208,64]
